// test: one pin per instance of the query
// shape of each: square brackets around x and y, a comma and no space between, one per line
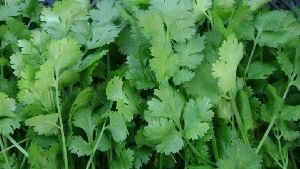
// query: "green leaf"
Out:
[165,63]
[125,158]
[139,72]
[183,75]
[9,121]
[44,124]
[164,134]
[8,106]
[58,20]
[231,53]
[168,104]
[43,158]
[8,11]
[181,27]
[200,7]
[203,84]
[141,156]
[232,158]
[290,113]
[260,70]
[80,147]
[102,35]
[117,126]
[190,52]
[114,89]
[65,52]
[84,120]
[197,118]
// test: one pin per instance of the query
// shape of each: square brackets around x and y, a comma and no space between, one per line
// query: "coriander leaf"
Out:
[84,120]
[65,52]
[164,134]
[141,156]
[8,122]
[9,11]
[181,27]
[151,24]
[183,75]
[117,126]
[139,73]
[114,89]
[200,7]
[231,53]
[203,84]
[197,118]
[106,11]
[44,124]
[102,35]
[125,158]
[58,20]
[80,147]
[168,104]
[232,158]
[260,70]
[43,158]
[8,106]
[290,113]
[190,51]
[165,63]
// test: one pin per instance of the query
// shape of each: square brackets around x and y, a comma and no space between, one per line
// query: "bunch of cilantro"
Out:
[193,84]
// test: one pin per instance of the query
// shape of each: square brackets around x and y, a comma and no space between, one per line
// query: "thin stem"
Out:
[17,145]
[2,71]
[252,51]
[278,163]
[215,147]
[24,159]
[8,148]
[4,154]
[262,141]
[65,153]
[293,159]
[161,161]
[288,86]
[96,146]
[239,120]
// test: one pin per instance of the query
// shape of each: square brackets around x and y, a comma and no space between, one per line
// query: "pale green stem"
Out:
[239,120]
[8,148]
[161,161]
[65,153]
[4,154]
[17,145]
[252,51]
[262,141]
[96,146]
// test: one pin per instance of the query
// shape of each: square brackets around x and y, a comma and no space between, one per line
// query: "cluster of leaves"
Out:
[194,84]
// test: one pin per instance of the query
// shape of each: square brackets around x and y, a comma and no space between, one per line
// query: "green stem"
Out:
[293,160]
[65,153]
[2,71]
[252,51]
[215,147]
[10,147]
[288,86]
[239,120]
[262,141]
[4,154]
[24,158]
[17,145]
[96,146]
[161,161]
